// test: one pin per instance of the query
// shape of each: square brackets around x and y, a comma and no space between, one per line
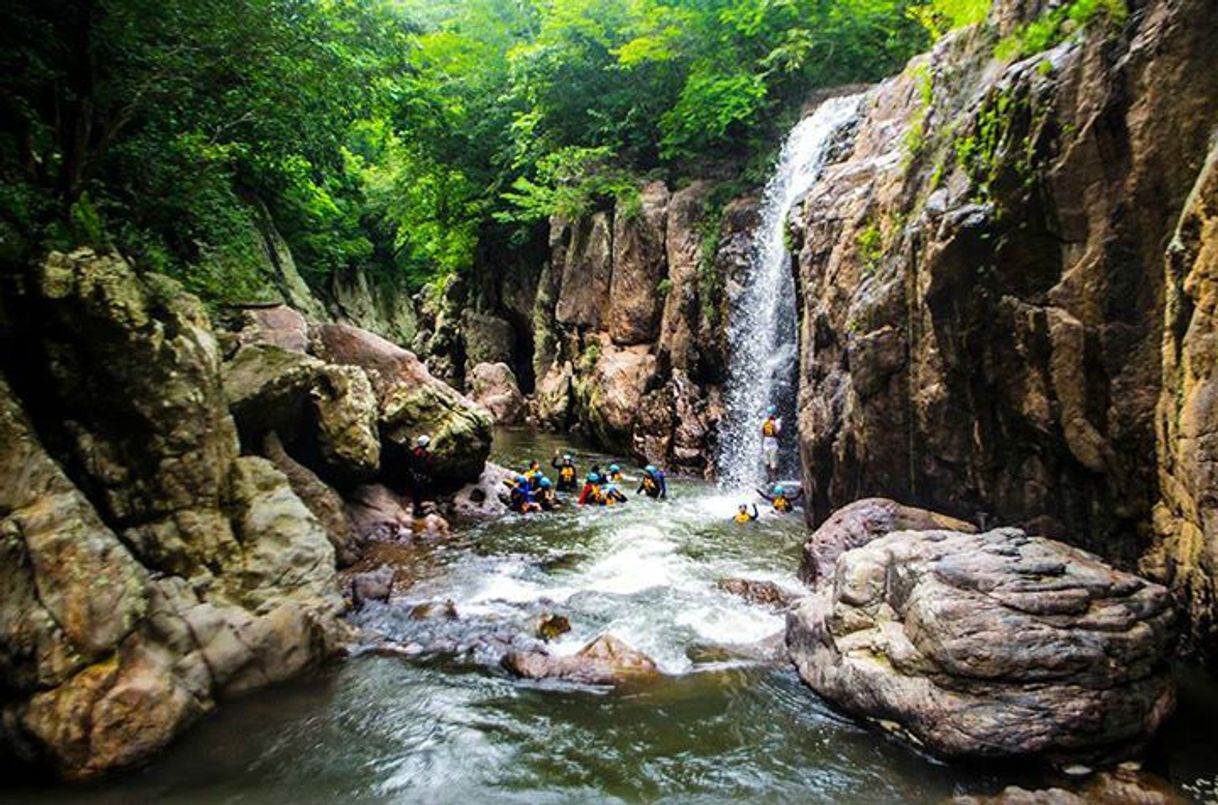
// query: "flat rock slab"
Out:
[989,645]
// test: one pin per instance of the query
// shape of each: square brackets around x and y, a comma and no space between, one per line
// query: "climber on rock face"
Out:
[770,429]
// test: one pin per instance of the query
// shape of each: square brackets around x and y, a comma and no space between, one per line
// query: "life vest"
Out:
[742,517]
[782,504]
[769,428]
[567,473]
[649,483]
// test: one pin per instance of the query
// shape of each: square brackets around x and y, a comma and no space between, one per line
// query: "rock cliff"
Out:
[984,290]
[151,561]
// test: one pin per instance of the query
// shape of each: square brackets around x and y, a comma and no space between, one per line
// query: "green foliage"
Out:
[1056,24]
[397,136]
[941,16]
[914,139]
[869,245]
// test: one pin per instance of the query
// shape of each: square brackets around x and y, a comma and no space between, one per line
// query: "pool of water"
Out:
[457,728]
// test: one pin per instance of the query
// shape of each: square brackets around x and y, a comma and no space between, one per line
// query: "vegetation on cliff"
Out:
[391,136]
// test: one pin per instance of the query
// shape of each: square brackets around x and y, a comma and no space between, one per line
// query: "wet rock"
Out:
[614,393]
[678,342]
[431,526]
[770,651]
[168,571]
[605,661]
[412,402]
[1116,787]
[639,263]
[550,626]
[431,610]
[766,593]
[494,387]
[325,503]
[989,645]
[553,404]
[485,498]
[858,523]
[374,585]
[376,512]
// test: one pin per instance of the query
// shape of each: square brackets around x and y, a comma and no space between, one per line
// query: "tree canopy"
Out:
[395,136]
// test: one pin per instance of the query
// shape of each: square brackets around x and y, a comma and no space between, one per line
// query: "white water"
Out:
[763,322]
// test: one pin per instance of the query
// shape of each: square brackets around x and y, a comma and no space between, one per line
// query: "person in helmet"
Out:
[771,427]
[591,495]
[522,497]
[418,473]
[744,516]
[567,475]
[534,474]
[615,474]
[546,496]
[612,494]
[653,483]
[782,498]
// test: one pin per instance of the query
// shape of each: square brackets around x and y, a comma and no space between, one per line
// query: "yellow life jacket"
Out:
[742,517]
[782,504]
[615,477]
[769,428]
[648,483]
[567,473]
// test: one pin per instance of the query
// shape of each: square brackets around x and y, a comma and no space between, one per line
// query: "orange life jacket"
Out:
[769,428]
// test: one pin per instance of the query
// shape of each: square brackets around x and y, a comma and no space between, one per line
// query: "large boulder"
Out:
[148,569]
[553,403]
[494,387]
[861,522]
[332,407]
[613,393]
[639,264]
[322,500]
[605,661]
[412,402]
[989,645]
[488,497]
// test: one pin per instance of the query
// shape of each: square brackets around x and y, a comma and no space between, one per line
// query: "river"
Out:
[387,729]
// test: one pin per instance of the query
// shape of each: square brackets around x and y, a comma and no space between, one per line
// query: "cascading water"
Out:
[763,324]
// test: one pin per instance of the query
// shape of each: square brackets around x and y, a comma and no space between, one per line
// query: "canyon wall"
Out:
[984,291]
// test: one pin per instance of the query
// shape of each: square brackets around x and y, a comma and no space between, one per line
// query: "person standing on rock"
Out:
[770,429]
[419,472]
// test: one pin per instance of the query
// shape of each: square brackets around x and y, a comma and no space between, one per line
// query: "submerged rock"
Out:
[550,626]
[756,591]
[605,661]
[485,498]
[989,645]
[374,585]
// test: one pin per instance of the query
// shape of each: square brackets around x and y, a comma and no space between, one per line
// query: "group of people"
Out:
[781,497]
[531,490]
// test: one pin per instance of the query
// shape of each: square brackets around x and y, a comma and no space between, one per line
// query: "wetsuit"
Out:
[566,475]
[419,474]
[591,496]
[653,485]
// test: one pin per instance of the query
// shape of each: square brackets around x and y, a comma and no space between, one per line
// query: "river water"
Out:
[459,729]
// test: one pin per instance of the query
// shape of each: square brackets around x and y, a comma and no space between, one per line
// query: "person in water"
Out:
[615,474]
[611,494]
[653,484]
[522,496]
[770,429]
[534,474]
[418,472]
[546,496]
[781,498]
[743,516]
[567,476]
[591,495]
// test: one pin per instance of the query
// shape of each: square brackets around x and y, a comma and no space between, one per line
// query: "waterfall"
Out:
[763,324]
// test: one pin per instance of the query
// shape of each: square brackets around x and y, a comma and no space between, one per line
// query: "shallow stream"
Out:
[381,728]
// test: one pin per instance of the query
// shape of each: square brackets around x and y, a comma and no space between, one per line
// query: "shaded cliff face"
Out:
[982,279]
[629,343]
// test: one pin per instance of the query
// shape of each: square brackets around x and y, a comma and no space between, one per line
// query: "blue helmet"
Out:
[520,479]
[593,478]
[650,469]
[779,489]
[614,468]
[771,410]
[545,483]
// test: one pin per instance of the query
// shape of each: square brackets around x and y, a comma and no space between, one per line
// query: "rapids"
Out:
[454,727]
